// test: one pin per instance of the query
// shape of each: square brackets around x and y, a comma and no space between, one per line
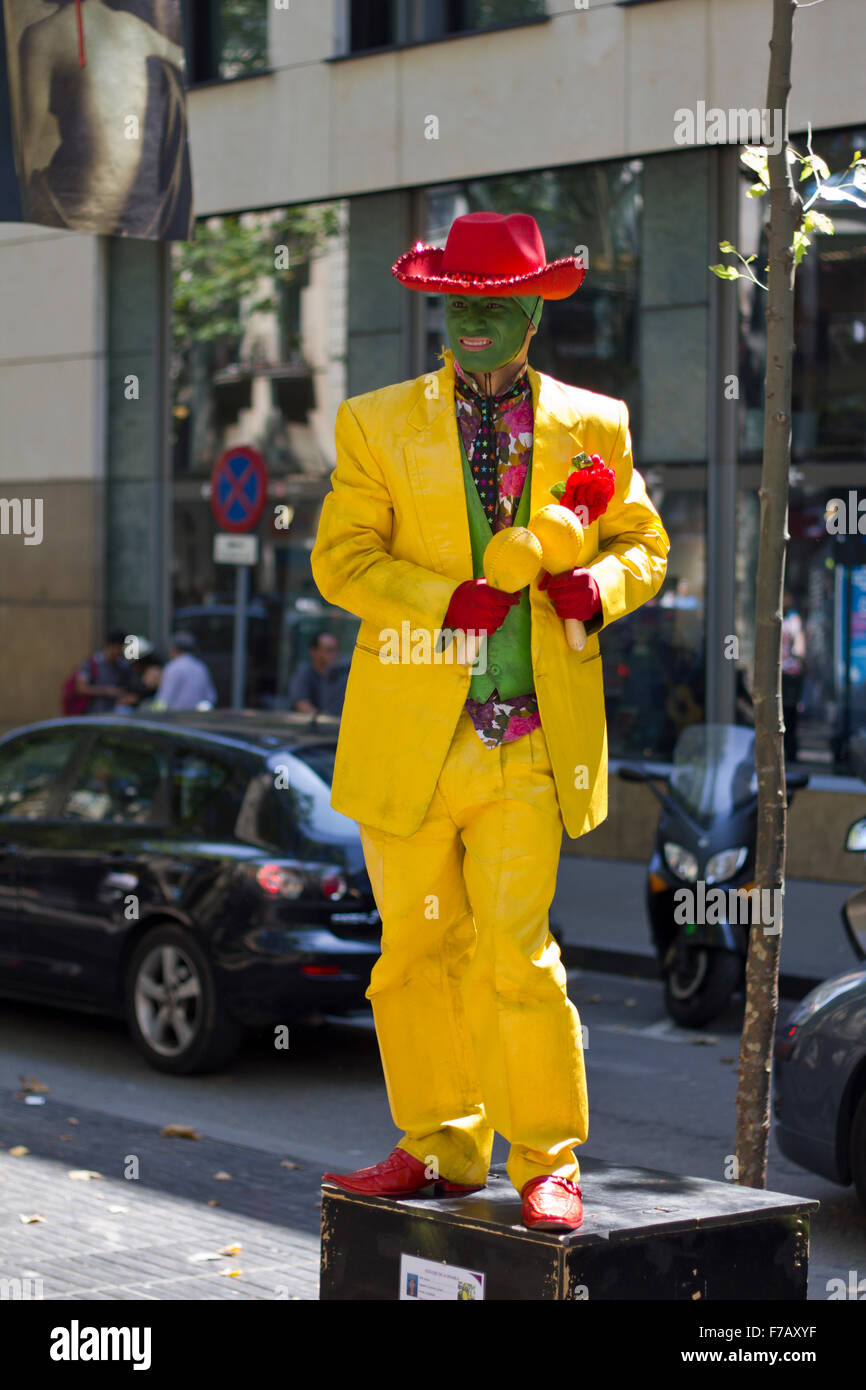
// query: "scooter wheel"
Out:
[698,989]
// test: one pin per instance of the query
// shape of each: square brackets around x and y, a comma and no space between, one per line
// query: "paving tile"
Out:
[81,1250]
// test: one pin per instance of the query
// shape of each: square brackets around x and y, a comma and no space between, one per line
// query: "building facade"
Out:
[327,136]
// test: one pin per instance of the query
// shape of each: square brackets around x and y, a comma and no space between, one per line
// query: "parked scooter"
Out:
[703,866]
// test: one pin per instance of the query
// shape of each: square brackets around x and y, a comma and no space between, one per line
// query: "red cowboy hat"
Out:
[489,254]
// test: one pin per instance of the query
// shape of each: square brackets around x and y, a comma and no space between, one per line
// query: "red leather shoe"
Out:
[398,1175]
[552,1204]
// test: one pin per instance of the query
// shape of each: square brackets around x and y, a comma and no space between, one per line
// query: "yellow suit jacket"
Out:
[392,546]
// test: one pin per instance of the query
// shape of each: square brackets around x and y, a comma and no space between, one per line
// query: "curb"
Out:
[645,967]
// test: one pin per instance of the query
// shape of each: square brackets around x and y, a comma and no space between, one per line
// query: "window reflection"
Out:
[258,357]
[826,561]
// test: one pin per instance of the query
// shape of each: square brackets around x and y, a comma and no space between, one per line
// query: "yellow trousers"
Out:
[475,1027]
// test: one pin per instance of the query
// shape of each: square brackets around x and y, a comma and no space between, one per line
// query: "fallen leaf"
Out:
[29,1220]
[29,1083]
[19,1151]
[231,1249]
[287,1163]
[212,1202]
[229,1273]
[727,1059]
[71,1120]
[179,1132]
[223,1177]
[82,1174]
[117,1209]
[202,1255]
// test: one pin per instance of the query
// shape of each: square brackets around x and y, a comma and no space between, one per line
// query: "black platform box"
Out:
[645,1235]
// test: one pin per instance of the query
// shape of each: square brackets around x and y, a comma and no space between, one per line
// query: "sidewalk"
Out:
[600,906]
[116,1238]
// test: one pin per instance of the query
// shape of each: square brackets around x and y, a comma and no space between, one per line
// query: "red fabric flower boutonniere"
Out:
[588,488]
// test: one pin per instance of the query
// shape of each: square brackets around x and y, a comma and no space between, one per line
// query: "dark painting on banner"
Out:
[94,115]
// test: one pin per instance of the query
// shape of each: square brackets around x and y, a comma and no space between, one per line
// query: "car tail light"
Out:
[280,881]
[785,1043]
[320,969]
[287,878]
[335,887]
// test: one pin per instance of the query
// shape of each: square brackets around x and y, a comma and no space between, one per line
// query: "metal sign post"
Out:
[239,637]
[239,490]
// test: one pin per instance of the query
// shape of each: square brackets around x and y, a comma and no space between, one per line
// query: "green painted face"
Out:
[497,325]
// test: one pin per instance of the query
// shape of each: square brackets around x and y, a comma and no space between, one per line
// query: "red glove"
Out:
[477,607]
[574,593]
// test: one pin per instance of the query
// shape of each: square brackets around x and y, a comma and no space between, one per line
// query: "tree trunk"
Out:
[762,969]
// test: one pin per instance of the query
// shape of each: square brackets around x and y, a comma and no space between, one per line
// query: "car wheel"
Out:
[699,986]
[175,1014]
[858,1150]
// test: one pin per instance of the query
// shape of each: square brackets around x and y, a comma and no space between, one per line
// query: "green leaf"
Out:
[801,245]
[557,490]
[725,272]
[756,190]
[754,157]
[580,460]
[821,168]
[728,249]
[819,222]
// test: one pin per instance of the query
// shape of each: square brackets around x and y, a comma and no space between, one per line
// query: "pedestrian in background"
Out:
[793,672]
[103,678]
[186,681]
[145,675]
[319,686]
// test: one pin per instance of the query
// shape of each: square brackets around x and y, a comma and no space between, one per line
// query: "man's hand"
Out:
[574,593]
[476,607]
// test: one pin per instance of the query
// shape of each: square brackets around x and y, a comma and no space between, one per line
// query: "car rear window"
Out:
[29,769]
[319,757]
[206,794]
[120,783]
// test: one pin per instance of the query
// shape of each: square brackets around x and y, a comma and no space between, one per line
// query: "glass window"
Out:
[653,659]
[824,685]
[121,784]
[382,23]
[829,402]
[225,38]
[29,770]
[373,24]
[466,16]
[258,356]
[206,795]
[589,339]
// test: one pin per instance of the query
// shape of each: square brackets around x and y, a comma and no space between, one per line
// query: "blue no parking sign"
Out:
[239,488]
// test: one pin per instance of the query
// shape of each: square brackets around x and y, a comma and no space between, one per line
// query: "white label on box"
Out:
[427,1279]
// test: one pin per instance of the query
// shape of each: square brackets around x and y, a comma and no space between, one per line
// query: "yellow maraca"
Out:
[561,537]
[512,559]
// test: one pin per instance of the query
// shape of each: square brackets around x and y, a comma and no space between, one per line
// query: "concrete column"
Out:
[137,494]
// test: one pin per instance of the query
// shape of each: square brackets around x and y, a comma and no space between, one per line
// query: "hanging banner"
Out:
[93,117]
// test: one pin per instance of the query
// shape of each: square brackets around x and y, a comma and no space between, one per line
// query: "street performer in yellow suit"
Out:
[461,777]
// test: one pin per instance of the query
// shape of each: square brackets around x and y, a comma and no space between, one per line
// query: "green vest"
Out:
[509,651]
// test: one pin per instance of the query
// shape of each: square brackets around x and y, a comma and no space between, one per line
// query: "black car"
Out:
[186,872]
